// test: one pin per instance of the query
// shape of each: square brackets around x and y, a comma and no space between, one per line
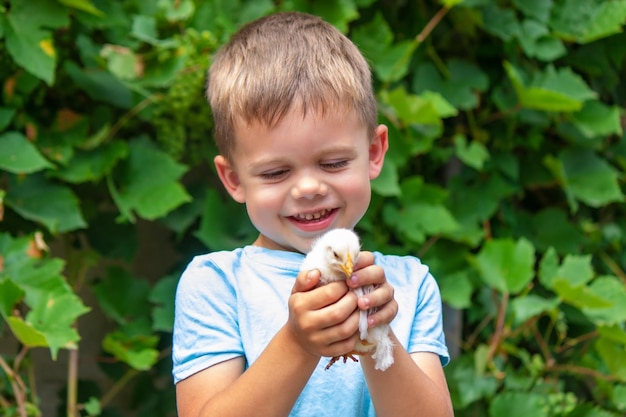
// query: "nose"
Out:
[308,186]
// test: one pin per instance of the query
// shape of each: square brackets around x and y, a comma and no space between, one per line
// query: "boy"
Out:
[296,126]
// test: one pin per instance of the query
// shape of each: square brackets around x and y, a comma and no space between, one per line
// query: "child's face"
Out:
[303,176]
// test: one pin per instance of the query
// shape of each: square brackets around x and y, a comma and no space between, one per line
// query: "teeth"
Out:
[312,216]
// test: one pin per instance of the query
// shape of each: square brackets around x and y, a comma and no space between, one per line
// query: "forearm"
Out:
[405,389]
[271,386]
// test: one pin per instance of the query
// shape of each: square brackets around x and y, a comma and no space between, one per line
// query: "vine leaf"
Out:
[585,177]
[53,307]
[550,90]
[148,192]
[37,198]
[19,156]
[506,265]
[29,44]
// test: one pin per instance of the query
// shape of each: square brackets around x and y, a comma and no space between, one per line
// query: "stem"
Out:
[545,350]
[472,339]
[574,369]
[19,389]
[72,383]
[117,387]
[613,266]
[497,334]
[129,115]
[430,26]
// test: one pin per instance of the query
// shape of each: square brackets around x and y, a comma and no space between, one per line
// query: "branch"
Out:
[497,334]
[574,369]
[430,26]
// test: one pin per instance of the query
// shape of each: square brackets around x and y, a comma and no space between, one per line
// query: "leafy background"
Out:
[505,175]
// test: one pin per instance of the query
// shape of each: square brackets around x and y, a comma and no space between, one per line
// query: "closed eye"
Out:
[331,165]
[274,175]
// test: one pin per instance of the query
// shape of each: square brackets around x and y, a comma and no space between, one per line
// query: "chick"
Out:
[334,255]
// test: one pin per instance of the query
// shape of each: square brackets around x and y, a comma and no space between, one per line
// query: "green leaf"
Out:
[576,269]
[122,296]
[585,21]
[474,155]
[411,108]
[418,220]
[93,165]
[28,43]
[148,182]
[456,289]
[6,115]
[137,351]
[587,178]
[386,184]
[83,5]
[537,42]
[162,295]
[580,296]
[548,268]
[460,85]
[26,333]
[224,224]
[552,228]
[531,305]
[100,85]
[506,265]
[121,62]
[518,404]
[614,356]
[538,9]
[608,20]
[55,206]
[597,119]
[612,290]
[466,386]
[500,22]
[55,317]
[10,295]
[19,156]
[551,90]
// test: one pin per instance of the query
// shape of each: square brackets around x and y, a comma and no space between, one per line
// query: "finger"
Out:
[365,259]
[339,310]
[377,298]
[383,315]
[306,281]
[369,275]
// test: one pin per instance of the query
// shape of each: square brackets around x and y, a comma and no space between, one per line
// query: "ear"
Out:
[378,149]
[229,178]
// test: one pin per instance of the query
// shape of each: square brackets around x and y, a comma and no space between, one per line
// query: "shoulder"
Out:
[209,271]
[407,267]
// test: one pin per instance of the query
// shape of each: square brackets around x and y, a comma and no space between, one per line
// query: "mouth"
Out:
[314,216]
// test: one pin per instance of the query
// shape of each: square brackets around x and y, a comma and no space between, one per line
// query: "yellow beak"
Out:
[347,267]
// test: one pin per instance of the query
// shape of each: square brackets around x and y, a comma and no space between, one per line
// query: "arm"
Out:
[415,384]
[322,321]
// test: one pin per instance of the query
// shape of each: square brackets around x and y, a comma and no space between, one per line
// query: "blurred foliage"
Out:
[505,175]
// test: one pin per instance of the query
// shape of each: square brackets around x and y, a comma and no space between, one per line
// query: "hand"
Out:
[323,320]
[382,298]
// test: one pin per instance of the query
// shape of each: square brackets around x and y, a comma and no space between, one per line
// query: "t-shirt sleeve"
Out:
[427,333]
[206,329]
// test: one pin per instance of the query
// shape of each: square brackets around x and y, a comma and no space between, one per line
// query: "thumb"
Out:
[306,281]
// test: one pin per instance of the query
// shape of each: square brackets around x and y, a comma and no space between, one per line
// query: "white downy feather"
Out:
[329,254]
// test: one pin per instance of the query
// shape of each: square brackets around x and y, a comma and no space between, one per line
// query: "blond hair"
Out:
[286,61]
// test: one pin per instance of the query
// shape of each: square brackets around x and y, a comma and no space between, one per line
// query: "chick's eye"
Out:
[335,255]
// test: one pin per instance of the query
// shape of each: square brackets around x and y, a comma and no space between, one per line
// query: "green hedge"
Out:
[505,174]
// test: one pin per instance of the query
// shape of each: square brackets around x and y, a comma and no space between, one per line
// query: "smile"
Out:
[312,216]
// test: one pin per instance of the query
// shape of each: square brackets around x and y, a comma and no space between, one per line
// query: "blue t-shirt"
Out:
[231,304]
